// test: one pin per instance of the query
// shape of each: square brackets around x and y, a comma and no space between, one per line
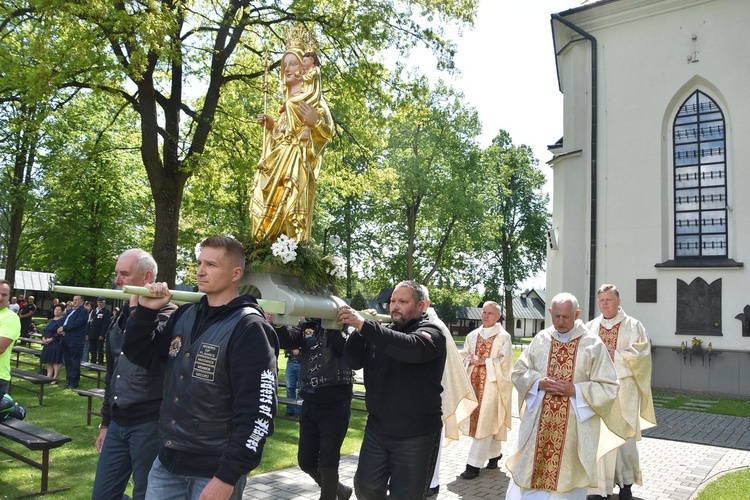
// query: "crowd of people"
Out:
[190,392]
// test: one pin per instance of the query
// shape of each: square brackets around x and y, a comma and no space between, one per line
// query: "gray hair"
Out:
[564,297]
[144,262]
[417,290]
[494,304]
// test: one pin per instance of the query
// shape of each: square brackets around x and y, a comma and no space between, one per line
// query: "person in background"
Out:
[26,313]
[100,320]
[292,381]
[630,350]
[488,358]
[52,353]
[10,330]
[73,331]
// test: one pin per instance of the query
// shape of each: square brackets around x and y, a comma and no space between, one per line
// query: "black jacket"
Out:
[138,390]
[250,361]
[325,376]
[403,370]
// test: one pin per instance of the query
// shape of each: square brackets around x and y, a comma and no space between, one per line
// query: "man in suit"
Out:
[100,319]
[73,331]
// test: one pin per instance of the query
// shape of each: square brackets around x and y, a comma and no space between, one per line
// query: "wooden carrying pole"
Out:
[181,296]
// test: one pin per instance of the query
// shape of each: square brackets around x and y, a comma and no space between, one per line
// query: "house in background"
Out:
[528,312]
[650,177]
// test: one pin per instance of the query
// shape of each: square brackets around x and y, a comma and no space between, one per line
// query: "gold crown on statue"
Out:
[299,37]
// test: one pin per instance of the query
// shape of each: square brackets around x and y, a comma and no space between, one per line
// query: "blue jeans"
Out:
[126,450]
[407,462]
[292,380]
[164,485]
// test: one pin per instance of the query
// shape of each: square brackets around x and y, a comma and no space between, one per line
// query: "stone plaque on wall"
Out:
[645,290]
[698,308]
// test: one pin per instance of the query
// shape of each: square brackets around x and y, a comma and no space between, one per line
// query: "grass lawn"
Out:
[732,486]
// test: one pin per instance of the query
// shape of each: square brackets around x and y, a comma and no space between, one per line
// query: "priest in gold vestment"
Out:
[566,382]
[488,358]
[630,349]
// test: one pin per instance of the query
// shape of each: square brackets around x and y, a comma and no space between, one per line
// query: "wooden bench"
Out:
[91,394]
[34,438]
[99,369]
[18,350]
[34,378]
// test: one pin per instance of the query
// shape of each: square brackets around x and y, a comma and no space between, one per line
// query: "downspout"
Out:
[594,134]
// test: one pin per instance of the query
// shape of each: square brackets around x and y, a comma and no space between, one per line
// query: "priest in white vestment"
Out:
[488,358]
[458,399]
[566,382]
[629,347]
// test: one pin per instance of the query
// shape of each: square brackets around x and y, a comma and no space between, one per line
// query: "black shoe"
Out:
[343,492]
[433,491]
[492,464]
[470,472]
[625,493]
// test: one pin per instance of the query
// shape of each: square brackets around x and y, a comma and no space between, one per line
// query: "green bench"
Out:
[34,438]
[35,378]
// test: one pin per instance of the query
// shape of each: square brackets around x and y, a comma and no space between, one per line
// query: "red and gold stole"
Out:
[478,376]
[553,423]
[609,337]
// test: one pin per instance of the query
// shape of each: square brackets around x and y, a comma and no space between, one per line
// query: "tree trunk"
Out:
[167,202]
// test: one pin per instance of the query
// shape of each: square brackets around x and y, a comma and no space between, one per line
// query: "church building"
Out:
[650,178]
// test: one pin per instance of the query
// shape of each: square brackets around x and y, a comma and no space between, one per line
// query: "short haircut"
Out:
[231,246]
[144,261]
[417,289]
[563,297]
[495,305]
[608,288]
[425,293]
[4,282]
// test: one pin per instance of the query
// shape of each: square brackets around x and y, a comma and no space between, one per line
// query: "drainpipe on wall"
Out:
[594,134]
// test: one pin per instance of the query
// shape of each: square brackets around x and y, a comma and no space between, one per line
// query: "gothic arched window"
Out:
[700,179]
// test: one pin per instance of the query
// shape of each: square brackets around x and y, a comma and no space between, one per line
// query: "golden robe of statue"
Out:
[284,185]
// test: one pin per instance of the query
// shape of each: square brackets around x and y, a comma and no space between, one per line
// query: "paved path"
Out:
[685,451]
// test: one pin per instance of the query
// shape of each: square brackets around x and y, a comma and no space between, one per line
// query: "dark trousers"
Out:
[322,429]
[72,353]
[96,350]
[407,462]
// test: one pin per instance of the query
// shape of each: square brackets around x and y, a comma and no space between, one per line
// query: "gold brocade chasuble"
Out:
[478,378]
[554,419]
[609,335]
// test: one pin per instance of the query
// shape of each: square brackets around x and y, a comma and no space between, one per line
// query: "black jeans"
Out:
[322,429]
[407,463]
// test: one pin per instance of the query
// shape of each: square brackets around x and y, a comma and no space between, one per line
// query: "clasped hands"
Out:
[476,360]
[556,387]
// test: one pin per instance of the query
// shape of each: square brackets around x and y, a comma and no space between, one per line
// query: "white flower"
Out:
[285,248]
[337,265]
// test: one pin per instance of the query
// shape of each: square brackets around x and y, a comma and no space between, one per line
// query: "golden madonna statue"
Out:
[284,184]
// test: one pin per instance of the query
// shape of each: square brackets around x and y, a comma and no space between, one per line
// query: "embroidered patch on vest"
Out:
[309,332]
[204,366]
[175,347]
